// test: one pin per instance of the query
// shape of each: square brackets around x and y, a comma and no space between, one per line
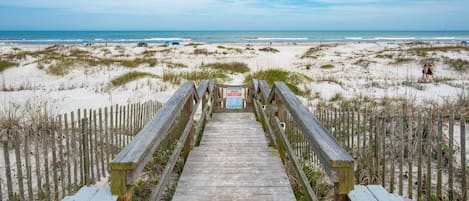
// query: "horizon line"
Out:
[229,30]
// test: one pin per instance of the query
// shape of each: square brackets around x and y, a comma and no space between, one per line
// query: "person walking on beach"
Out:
[424,72]
[430,70]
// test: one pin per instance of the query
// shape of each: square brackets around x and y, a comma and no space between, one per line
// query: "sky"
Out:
[440,15]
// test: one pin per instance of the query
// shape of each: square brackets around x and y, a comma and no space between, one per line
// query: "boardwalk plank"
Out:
[233,162]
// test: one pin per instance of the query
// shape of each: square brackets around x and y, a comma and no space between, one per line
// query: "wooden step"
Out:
[233,162]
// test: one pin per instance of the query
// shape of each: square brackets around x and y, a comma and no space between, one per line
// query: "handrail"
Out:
[280,101]
[330,150]
[127,165]
[264,90]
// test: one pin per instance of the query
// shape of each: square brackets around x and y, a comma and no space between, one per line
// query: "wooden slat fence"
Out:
[55,158]
[420,155]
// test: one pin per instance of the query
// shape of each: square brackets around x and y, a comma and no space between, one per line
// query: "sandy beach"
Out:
[374,70]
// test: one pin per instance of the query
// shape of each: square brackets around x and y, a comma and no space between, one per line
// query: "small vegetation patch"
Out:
[63,65]
[196,76]
[318,180]
[327,66]
[423,51]
[291,79]
[457,64]
[385,56]
[363,63]
[131,76]
[402,60]
[7,64]
[313,52]
[336,97]
[171,64]
[200,51]
[233,67]
[269,49]
[443,79]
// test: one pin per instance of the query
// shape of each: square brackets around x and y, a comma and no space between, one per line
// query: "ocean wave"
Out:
[353,38]
[148,39]
[162,39]
[394,38]
[267,39]
[41,40]
[440,38]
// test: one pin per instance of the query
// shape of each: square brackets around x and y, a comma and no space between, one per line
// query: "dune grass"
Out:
[176,78]
[423,51]
[269,49]
[291,79]
[460,65]
[131,76]
[233,67]
[327,66]
[7,64]
[63,65]
[59,60]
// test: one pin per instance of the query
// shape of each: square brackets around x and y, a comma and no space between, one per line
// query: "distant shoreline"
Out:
[228,37]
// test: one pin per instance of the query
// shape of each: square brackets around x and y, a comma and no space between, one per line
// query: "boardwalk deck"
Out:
[233,162]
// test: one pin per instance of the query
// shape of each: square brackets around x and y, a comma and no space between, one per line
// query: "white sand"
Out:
[88,87]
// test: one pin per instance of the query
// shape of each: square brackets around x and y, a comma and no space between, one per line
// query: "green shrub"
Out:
[131,76]
[291,79]
[234,67]
[327,66]
[7,64]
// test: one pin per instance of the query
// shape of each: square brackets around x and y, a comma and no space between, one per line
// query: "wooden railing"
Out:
[294,130]
[174,120]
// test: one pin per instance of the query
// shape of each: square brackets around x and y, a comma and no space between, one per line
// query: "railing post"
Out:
[119,184]
[345,181]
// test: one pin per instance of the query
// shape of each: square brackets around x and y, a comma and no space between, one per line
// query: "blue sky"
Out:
[234,15]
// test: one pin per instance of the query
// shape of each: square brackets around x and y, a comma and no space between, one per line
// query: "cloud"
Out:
[264,14]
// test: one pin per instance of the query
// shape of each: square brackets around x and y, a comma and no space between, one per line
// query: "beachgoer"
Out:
[424,71]
[430,71]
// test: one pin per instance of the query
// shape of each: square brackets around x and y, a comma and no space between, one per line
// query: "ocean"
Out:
[244,37]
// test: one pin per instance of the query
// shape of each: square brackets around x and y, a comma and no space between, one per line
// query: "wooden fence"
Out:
[420,155]
[54,159]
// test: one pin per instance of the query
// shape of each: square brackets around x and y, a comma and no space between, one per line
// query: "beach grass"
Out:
[291,79]
[131,76]
[314,51]
[233,67]
[460,65]
[176,78]
[6,64]
[63,65]
[269,49]
[327,66]
[423,51]
[201,51]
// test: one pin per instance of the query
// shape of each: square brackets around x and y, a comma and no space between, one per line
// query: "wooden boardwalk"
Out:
[233,162]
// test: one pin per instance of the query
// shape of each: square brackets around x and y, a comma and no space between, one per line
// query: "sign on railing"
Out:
[232,98]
